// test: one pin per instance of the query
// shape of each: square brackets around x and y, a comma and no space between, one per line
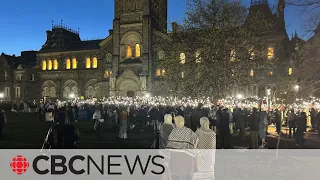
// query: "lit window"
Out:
[163,73]
[251,53]
[233,56]
[138,50]
[251,73]
[95,63]
[49,65]
[182,58]
[129,52]
[44,65]
[182,74]
[198,58]
[74,63]
[88,63]
[158,72]
[107,74]
[55,65]
[68,64]
[270,73]
[290,71]
[270,52]
[31,77]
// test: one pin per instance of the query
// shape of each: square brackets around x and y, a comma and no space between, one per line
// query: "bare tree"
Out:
[215,48]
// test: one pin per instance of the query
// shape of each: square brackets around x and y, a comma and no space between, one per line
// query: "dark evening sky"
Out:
[24,23]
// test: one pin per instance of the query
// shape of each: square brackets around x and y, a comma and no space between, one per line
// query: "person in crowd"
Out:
[123,123]
[263,123]
[154,115]
[2,122]
[240,118]
[213,118]
[254,128]
[96,117]
[142,118]
[206,136]
[277,117]
[181,142]
[42,112]
[301,128]
[195,117]
[313,118]
[61,135]
[165,129]
[318,122]
[223,126]
[292,124]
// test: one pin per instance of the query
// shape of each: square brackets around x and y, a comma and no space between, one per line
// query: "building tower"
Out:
[133,27]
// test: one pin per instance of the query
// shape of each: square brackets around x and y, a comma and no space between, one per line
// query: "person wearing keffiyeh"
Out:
[165,129]
[181,143]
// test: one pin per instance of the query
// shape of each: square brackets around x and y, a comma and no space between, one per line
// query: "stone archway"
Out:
[48,89]
[128,82]
[70,87]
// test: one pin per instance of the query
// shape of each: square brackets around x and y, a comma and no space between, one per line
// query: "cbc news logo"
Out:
[19,165]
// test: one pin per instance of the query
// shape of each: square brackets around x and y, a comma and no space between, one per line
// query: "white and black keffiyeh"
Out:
[207,139]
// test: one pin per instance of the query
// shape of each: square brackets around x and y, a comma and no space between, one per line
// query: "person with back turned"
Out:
[2,122]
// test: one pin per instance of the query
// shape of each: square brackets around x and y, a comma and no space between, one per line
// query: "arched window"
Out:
[251,73]
[44,65]
[158,73]
[68,64]
[163,73]
[129,52]
[49,65]
[74,63]
[52,92]
[55,65]
[182,58]
[88,63]
[233,56]
[290,71]
[107,74]
[95,63]
[138,50]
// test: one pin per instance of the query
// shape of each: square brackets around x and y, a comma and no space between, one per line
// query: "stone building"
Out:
[121,64]
[19,80]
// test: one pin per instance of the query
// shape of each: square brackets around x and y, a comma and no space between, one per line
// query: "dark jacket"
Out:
[223,124]
[254,121]
[195,118]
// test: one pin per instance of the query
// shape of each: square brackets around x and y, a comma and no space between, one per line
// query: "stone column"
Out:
[112,85]
[143,85]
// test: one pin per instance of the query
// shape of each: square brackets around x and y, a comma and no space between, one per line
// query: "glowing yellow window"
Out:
[55,65]
[49,65]
[95,63]
[163,73]
[129,52]
[74,63]
[290,71]
[270,52]
[251,53]
[138,50]
[88,63]
[106,74]
[251,73]
[198,58]
[44,65]
[68,64]
[233,56]
[182,58]
[270,73]
[158,72]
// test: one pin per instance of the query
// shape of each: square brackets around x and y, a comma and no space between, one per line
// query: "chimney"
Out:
[174,27]
[110,32]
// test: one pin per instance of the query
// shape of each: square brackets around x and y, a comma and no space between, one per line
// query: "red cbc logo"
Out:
[19,165]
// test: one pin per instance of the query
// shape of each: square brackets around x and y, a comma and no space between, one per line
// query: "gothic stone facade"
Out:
[120,64]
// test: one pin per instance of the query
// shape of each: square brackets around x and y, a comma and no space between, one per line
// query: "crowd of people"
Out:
[140,112]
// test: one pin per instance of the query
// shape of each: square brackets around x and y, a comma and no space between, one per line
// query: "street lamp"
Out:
[147,95]
[1,95]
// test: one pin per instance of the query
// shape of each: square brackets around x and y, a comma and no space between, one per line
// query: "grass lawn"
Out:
[25,131]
